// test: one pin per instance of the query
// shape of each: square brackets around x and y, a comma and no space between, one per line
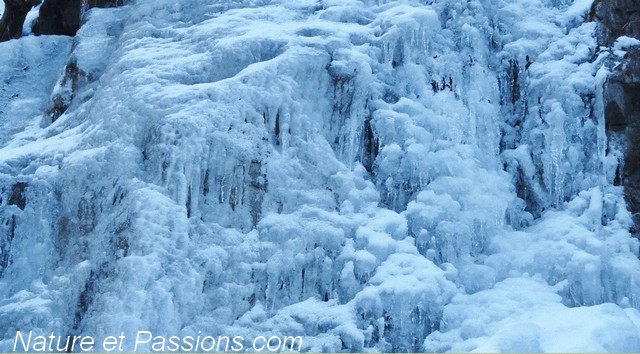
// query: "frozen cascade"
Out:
[370,175]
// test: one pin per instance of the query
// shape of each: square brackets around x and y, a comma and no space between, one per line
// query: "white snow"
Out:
[625,42]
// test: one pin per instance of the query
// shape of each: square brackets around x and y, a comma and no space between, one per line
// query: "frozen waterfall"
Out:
[371,175]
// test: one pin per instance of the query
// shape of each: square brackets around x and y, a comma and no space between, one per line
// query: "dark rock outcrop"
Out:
[104,3]
[58,17]
[616,18]
[64,16]
[622,92]
[17,197]
[622,116]
[15,12]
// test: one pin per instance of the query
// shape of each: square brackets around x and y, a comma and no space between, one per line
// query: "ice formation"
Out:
[370,175]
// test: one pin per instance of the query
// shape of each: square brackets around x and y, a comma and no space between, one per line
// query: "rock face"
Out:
[15,12]
[64,16]
[104,3]
[622,92]
[622,114]
[617,18]
[58,17]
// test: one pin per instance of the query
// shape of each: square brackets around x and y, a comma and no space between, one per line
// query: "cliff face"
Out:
[617,18]
[622,92]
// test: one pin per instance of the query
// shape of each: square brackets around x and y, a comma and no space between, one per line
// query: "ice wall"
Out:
[370,175]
